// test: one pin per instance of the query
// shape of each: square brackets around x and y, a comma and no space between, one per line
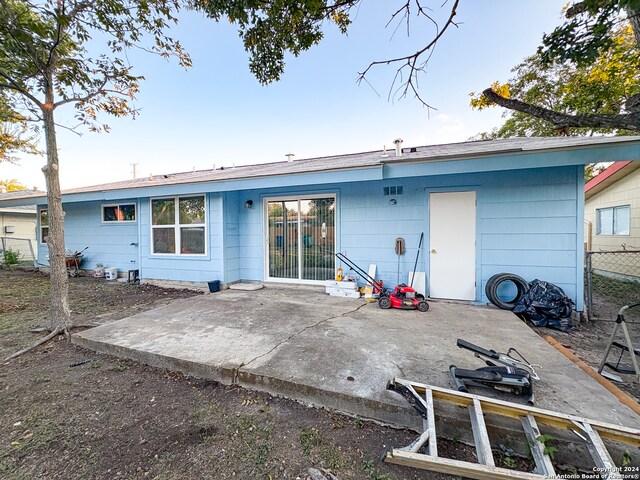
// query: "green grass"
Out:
[38,432]
[369,468]
[310,438]
[255,444]
[119,367]
[207,415]
[332,457]
[624,290]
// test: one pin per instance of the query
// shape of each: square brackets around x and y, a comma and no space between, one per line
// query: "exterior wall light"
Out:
[248,204]
[393,201]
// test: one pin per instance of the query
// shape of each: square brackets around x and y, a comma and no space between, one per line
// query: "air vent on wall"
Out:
[394,190]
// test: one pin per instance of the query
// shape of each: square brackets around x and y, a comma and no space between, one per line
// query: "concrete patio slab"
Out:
[340,353]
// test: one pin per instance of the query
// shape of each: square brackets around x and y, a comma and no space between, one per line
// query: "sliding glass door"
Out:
[301,238]
[283,239]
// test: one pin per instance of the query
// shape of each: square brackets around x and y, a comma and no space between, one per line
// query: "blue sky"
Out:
[217,113]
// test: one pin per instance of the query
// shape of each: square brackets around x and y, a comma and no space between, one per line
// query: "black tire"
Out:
[384,302]
[491,289]
[423,306]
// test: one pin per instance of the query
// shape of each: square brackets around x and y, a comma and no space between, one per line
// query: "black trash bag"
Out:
[546,305]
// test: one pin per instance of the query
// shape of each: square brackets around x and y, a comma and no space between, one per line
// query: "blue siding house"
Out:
[514,205]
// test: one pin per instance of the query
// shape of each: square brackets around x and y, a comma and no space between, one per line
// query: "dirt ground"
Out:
[589,339]
[66,412]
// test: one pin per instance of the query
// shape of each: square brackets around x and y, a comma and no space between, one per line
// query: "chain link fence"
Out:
[22,247]
[612,280]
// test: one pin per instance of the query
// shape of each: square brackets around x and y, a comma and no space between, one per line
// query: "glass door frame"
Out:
[298,198]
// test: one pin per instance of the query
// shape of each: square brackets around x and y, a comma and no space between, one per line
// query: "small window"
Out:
[612,220]
[119,213]
[393,190]
[44,225]
[178,225]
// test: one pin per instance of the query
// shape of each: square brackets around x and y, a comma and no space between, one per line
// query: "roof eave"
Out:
[509,151]
[449,157]
[134,192]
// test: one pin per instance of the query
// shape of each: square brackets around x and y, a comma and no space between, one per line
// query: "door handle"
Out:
[433,250]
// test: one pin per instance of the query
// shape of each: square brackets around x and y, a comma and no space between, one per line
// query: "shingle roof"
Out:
[17,194]
[25,209]
[428,153]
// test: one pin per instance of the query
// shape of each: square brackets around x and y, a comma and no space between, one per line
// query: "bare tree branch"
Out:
[12,85]
[80,99]
[71,129]
[410,62]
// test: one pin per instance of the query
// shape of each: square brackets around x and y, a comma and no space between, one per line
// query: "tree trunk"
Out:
[59,311]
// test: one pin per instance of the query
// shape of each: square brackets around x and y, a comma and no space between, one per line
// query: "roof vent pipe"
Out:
[289,157]
[398,144]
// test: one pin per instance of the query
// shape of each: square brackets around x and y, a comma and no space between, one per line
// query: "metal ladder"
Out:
[421,397]
[621,323]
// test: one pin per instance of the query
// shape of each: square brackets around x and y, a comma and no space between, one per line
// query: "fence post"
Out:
[589,292]
[33,253]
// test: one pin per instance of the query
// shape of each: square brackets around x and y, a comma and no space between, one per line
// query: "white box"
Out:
[341,285]
[338,292]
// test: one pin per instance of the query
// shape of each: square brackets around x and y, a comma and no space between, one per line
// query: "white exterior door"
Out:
[452,245]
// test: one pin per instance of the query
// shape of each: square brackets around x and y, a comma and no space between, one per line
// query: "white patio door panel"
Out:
[300,239]
[452,245]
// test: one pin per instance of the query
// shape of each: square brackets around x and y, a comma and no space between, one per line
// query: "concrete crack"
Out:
[318,323]
[400,369]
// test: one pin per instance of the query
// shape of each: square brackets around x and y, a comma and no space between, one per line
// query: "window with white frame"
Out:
[178,225]
[612,220]
[44,225]
[125,212]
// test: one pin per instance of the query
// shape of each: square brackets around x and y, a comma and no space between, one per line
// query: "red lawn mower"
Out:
[403,296]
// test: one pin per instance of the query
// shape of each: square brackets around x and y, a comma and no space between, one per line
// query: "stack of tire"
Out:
[496,281]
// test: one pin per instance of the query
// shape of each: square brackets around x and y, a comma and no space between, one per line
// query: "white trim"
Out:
[118,205]
[265,225]
[177,226]
[40,210]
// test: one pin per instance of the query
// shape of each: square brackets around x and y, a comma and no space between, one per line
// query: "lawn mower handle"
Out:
[374,283]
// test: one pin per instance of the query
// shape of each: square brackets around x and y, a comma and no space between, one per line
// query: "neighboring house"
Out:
[612,219]
[514,205]
[612,208]
[18,227]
